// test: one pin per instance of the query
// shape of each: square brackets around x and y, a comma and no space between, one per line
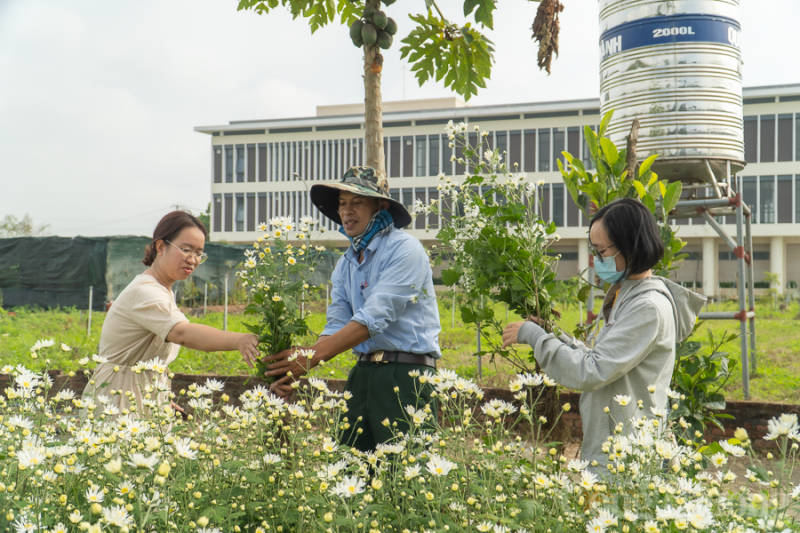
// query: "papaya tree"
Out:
[437,47]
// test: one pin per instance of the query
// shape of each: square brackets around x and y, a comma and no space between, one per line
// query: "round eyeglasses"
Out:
[187,253]
[598,254]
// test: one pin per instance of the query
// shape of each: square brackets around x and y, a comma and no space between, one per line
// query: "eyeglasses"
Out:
[598,254]
[187,253]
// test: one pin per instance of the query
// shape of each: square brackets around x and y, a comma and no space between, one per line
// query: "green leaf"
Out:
[604,123]
[483,14]
[649,203]
[672,196]
[646,164]
[640,189]
[591,141]
[610,151]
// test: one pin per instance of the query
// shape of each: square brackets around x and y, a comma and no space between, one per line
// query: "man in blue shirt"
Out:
[383,307]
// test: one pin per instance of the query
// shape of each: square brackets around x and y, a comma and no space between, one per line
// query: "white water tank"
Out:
[676,66]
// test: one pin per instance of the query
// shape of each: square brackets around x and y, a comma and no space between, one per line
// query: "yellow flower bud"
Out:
[328,517]
[202,521]
[164,469]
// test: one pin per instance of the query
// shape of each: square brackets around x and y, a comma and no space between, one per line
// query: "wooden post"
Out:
[89,323]
[225,313]
[205,298]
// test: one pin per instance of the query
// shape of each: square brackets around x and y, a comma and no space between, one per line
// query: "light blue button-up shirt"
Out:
[391,293]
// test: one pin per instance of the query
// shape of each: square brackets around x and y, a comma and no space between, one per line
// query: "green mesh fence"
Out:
[51,272]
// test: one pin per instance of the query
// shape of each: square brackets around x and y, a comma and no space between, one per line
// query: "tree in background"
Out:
[12,227]
[205,218]
[437,47]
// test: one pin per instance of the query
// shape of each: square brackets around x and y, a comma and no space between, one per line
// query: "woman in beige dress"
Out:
[145,323]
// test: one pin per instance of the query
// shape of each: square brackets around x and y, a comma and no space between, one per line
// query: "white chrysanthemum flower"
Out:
[99,359]
[43,343]
[732,449]
[95,494]
[622,399]
[630,516]
[20,422]
[576,466]
[348,487]
[588,480]
[439,466]
[31,458]
[183,448]
[138,460]
[719,459]
[124,488]
[272,459]
[116,516]
[411,472]
[699,514]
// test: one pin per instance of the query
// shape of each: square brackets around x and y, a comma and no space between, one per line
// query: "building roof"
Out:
[401,113]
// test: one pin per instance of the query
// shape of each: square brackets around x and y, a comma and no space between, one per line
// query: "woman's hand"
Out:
[248,347]
[511,333]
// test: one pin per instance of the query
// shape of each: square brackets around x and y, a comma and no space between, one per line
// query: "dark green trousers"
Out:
[375,400]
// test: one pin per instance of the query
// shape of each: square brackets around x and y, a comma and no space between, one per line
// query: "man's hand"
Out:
[283,387]
[289,360]
[247,344]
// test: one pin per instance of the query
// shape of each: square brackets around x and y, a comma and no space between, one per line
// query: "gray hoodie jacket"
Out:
[634,349]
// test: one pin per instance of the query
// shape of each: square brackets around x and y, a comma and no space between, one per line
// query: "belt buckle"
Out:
[377,357]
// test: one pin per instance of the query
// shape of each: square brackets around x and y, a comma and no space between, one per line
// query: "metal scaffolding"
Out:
[721,201]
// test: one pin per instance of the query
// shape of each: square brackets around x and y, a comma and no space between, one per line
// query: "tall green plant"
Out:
[612,180]
[498,246]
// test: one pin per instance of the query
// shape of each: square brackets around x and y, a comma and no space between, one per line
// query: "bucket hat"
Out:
[364,181]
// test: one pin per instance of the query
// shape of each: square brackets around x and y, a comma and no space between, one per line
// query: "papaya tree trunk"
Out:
[373,114]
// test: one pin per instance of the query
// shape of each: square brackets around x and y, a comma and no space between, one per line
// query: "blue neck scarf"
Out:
[380,223]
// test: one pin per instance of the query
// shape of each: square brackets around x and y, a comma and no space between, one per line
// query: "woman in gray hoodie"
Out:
[645,316]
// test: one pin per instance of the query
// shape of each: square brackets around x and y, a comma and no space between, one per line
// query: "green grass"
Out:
[777,379]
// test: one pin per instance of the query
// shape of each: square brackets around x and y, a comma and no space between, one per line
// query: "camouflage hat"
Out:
[364,181]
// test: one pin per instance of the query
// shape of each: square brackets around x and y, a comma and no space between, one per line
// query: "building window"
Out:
[785,137]
[767,138]
[408,157]
[421,142]
[217,205]
[240,163]
[433,155]
[766,203]
[751,139]
[797,139]
[587,155]
[558,204]
[502,146]
[240,212]
[217,164]
[544,150]
[784,197]
[558,146]
[574,141]
[529,151]
[229,164]
[797,199]
[750,196]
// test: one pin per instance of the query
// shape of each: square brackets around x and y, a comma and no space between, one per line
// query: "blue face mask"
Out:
[607,269]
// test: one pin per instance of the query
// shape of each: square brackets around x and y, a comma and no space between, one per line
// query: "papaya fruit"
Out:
[389,2]
[355,30]
[380,19]
[384,40]
[358,43]
[368,11]
[369,34]
[391,26]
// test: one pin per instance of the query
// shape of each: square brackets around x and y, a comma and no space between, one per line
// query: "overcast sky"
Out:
[99,98]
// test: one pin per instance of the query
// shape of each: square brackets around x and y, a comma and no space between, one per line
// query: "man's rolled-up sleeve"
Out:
[400,281]
[339,311]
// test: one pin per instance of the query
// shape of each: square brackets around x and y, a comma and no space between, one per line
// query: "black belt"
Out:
[382,356]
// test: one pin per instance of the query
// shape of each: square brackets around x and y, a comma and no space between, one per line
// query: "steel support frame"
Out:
[742,247]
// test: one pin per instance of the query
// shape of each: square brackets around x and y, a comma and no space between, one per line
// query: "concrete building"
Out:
[263,168]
